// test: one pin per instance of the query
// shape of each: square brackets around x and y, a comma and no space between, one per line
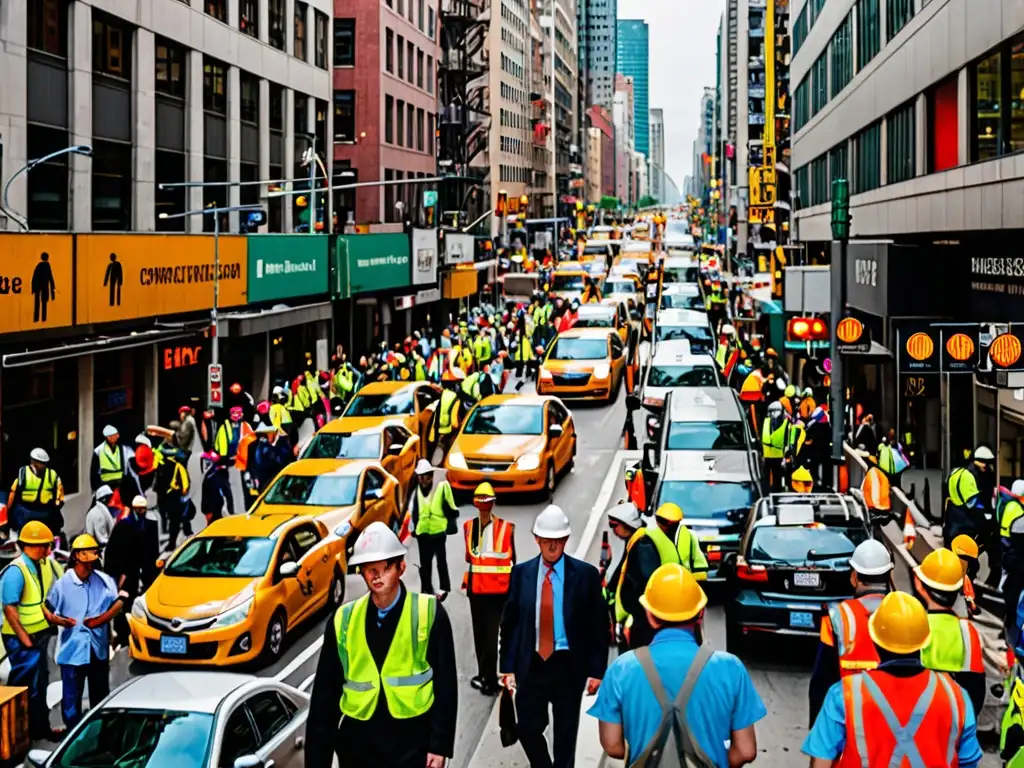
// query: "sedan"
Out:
[413,402]
[586,363]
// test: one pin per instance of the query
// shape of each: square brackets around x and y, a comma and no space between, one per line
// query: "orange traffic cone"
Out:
[909,531]
[405,533]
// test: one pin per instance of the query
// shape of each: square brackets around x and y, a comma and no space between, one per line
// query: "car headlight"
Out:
[602,371]
[234,615]
[456,460]
[140,611]
[529,462]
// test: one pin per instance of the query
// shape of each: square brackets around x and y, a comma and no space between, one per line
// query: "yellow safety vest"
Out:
[180,480]
[666,551]
[466,358]
[225,434]
[35,488]
[406,677]
[482,349]
[110,463]
[951,646]
[279,415]
[524,352]
[446,411]
[963,487]
[691,556]
[295,403]
[1011,512]
[343,382]
[471,385]
[432,519]
[774,443]
[30,607]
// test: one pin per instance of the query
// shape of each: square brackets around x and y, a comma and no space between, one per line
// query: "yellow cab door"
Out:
[618,358]
[622,322]
[371,498]
[400,452]
[427,398]
[313,578]
[559,446]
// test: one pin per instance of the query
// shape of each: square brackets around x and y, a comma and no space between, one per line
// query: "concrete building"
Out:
[542,184]
[656,161]
[592,176]
[558,22]
[633,54]
[163,91]
[640,188]
[385,100]
[622,120]
[600,118]
[597,26]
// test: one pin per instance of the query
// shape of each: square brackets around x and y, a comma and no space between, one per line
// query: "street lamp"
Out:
[77,149]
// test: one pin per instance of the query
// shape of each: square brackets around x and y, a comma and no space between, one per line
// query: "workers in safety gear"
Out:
[875,489]
[1010,507]
[778,439]
[669,519]
[900,713]
[446,419]
[387,671]
[646,549]
[24,587]
[433,514]
[966,548]
[110,464]
[490,554]
[36,494]
[969,509]
[801,480]
[845,646]
[955,645]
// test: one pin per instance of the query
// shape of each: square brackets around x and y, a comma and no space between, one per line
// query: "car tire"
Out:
[337,594]
[273,643]
[550,482]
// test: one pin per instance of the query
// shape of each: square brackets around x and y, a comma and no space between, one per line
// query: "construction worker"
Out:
[490,553]
[433,513]
[876,492]
[37,494]
[470,388]
[1011,539]
[281,416]
[225,445]
[969,487]
[955,645]
[775,438]
[669,518]
[110,463]
[482,352]
[343,384]
[845,646]
[900,713]
[388,661]
[966,548]
[718,697]
[172,492]
[646,549]
[446,417]
[801,481]
[24,585]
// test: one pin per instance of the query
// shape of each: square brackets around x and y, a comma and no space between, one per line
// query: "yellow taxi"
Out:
[414,402]
[232,592]
[610,314]
[390,443]
[517,443]
[586,363]
[568,279]
[622,286]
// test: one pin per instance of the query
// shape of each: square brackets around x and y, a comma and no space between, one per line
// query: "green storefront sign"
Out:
[365,263]
[286,266]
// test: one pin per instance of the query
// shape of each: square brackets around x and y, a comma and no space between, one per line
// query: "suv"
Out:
[685,324]
[676,367]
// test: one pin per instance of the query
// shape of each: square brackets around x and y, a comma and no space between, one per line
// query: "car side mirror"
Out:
[632,402]
[249,761]
[395,448]
[372,494]
[287,570]
[635,315]
[555,430]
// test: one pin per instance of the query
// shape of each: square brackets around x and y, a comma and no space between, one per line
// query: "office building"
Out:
[558,22]
[597,28]
[656,160]
[622,120]
[633,54]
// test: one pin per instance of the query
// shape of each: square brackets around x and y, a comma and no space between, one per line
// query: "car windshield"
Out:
[700,499]
[619,287]
[595,320]
[699,336]
[363,445]
[505,420]
[381,404]
[568,348]
[138,738]
[595,267]
[706,436]
[228,556]
[792,544]
[565,282]
[682,301]
[682,376]
[682,274]
[314,490]
[595,250]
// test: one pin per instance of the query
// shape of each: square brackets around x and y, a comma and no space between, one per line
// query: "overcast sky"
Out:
[683,41]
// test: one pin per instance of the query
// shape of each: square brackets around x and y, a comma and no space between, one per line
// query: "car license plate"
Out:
[173,645]
[801,619]
[806,580]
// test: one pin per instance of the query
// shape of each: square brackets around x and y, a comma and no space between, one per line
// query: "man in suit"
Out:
[554,641]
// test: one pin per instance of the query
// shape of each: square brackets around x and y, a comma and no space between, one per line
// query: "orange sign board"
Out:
[1005,350]
[36,287]
[920,346]
[121,277]
[960,346]
[849,330]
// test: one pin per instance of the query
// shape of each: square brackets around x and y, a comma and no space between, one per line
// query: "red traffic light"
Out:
[807,329]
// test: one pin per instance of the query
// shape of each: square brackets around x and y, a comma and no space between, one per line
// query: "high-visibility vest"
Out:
[471,385]
[225,437]
[180,480]
[524,351]
[34,488]
[30,606]
[1012,510]
[891,721]
[343,381]
[489,571]
[432,519]
[954,645]
[876,490]
[482,349]
[636,490]
[436,366]
[313,386]
[886,460]
[466,358]
[279,415]
[111,470]
[666,551]
[963,487]
[446,411]
[847,627]
[774,443]
[405,677]
[294,403]
[691,556]
[420,371]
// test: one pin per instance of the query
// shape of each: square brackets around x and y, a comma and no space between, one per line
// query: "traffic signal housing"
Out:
[807,329]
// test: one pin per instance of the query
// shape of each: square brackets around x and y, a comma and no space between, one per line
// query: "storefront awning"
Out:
[239,324]
[877,349]
[103,344]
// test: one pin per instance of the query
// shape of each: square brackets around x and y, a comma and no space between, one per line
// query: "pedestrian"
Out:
[211,499]
[185,435]
[110,462]
[433,512]
[37,494]
[446,417]
[24,585]
[709,692]
[1011,533]
[393,642]
[145,462]
[899,713]
[100,519]
[130,561]
[775,440]
[669,518]
[82,603]
[966,549]
[491,554]
[176,508]
[553,641]
[225,446]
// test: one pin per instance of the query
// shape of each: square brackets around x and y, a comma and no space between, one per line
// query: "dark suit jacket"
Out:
[584,613]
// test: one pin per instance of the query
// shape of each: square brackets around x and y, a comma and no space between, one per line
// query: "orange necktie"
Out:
[546,640]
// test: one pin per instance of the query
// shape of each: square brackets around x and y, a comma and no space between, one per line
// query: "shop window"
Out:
[276,19]
[170,169]
[345,42]
[838,165]
[48,183]
[988,98]
[867,148]
[819,180]
[214,86]
[48,27]
[170,68]
[248,17]
[215,196]
[111,47]
[111,186]
[400,114]
[901,143]
[320,29]
[389,119]
[389,52]
[218,9]
[249,85]
[400,49]
[118,379]
[897,14]
[301,14]
[943,126]
[420,125]
[869,32]
[345,116]
[819,87]
[841,50]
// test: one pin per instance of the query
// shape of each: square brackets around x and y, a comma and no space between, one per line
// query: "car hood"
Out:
[499,446]
[355,423]
[186,597]
[573,366]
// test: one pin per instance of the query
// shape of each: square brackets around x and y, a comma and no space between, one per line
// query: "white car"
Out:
[682,296]
[675,367]
[686,324]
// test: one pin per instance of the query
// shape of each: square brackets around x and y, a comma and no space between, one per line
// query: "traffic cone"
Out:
[909,531]
[405,533]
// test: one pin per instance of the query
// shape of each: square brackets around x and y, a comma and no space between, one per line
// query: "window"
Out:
[48,183]
[239,738]
[988,97]
[170,68]
[389,195]
[111,47]
[276,19]
[430,133]
[869,32]
[1016,132]
[345,116]
[301,14]
[410,116]
[389,51]
[816,6]
[401,56]
[276,107]
[431,74]
[389,119]
[48,27]
[248,17]
[400,112]
[111,186]
[401,7]
[803,186]
[409,48]
[170,169]
[430,23]
[868,159]
[800,29]
[838,167]
[419,69]
[218,9]
[841,49]
[320,57]
[819,87]
[901,143]
[420,19]
[897,14]
[249,85]
[269,714]
[214,86]
[300,119]
[943,126]
[419,129]
[819,180]
[802,104]
[345,42]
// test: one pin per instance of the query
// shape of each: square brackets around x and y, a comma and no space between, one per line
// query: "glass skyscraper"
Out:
[633,49]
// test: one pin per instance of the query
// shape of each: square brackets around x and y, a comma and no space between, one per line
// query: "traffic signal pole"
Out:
[840,241]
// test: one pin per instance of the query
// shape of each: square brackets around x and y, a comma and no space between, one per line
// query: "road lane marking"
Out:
[301,659]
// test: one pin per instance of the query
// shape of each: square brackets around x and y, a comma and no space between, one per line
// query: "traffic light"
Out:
[807,329]
[502,205]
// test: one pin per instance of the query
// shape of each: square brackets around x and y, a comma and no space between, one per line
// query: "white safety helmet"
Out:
[143,440]
[871,558]
[1017,489]
[103,492]
[551,523]
[139,502]
[728,330]
[377,542]
[38,454]
[983,453]
[278,390]
[627,514]
[774,408]
[109,431]
[423,467]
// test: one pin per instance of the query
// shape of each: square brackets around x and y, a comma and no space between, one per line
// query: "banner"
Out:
[961,349]
[36,287]
[424,257]
[286,266]
[458,249]
[918,349]
[374,262]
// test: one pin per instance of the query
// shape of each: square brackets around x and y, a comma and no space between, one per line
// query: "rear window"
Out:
[381,404]
[364,445]
[699,336]
[706,436]
[700,499]
[580,349]
[683,376]
[619,287]
[682,301]
[314,491]
[567,282]
[799,545]
[682,274]
[603,320]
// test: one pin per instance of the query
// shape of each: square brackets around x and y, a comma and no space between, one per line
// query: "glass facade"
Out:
[633,55]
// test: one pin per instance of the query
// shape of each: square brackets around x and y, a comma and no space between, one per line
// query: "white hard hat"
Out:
[983,453]
[781,384]
[626,513]
[423,467]
[278,390]
[140,501]
[104,492]
[109,431]
[1017,489]
[377,542]
[38,454]
[871,558]
[551,523]
[143,440]
[728,330]
[775,407]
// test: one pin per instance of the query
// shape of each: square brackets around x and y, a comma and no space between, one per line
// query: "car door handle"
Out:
[300,742]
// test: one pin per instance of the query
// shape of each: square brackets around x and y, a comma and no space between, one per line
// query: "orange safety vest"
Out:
[636,491]
[902,720]
[489,572]
[846,627]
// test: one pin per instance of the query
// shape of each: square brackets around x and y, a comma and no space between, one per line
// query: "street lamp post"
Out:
[841,221]
[77,149]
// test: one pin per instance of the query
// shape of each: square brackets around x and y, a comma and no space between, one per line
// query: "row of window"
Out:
[405,125]
[420,14]
[398,51]
[410,193]
[805,21]
[513,173]
[511,145]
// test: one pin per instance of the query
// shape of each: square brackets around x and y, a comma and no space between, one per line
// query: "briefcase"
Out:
[507,718]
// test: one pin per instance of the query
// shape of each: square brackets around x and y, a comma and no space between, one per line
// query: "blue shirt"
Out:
[12,583]
[383,612]
[723,700]
[827,738]
[75,599]
[558,588]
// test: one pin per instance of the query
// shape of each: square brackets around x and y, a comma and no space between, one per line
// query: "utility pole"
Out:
[841,220]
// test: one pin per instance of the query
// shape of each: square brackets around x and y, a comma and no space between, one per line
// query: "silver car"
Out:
[188,720]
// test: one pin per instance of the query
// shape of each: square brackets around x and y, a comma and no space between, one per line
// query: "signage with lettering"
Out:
[36,287]
[373,262]
[961,350]
[865,272]
[181,356]
[867,278]
[915,386]
[424,252]
[286,266]
[918,349]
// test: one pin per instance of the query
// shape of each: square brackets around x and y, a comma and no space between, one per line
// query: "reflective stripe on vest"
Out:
[110,463]
[489,572]
[34,488]
[954,645]
[471,385]
[446,410]
[431,510]
[406,675]
[854,646]
[30,606]
[666,551]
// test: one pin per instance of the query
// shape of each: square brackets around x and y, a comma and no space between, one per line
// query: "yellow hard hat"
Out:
[35,532]
[484,490]
[670,512]
[964,546]
[85,548]
[941,570]
[802,475]
[900,625]
[672,594]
